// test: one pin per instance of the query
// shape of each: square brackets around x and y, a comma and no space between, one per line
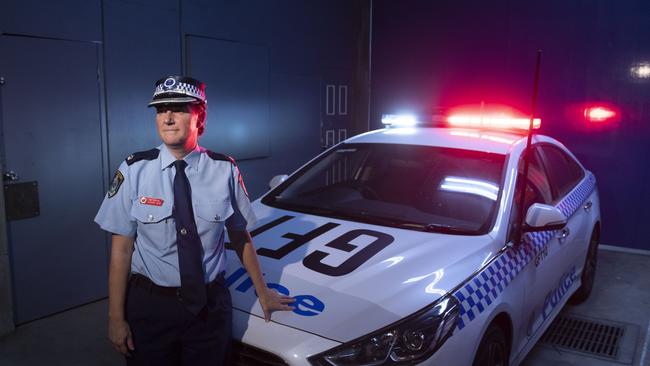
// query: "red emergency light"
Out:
[496,117]
[599,114]
[497,121]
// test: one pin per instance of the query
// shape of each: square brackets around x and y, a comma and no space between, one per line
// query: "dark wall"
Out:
[266,64]
[448,53]
[302,44]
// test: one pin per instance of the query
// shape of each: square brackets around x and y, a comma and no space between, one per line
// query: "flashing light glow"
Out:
[472,186]
[641,71]
[476,135]
[400,120]
[599,114]
[497,121]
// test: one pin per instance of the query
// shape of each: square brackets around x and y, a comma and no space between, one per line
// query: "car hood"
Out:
[350,278]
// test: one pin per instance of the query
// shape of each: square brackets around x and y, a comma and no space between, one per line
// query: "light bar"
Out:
[399,120]
[497,121]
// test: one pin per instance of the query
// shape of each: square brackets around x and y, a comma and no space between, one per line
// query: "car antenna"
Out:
[527,154]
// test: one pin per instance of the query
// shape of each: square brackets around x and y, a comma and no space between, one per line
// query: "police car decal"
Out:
[304,305]
[480,291]
[553,298]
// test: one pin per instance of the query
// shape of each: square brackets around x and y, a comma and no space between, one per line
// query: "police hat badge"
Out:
[178,89]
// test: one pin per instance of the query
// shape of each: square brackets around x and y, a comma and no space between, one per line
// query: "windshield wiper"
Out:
[446,229]
[438,228]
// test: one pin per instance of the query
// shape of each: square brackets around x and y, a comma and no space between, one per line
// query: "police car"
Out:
[410,245]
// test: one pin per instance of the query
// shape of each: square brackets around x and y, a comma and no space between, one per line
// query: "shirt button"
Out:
[183,231]
[150,217]
[217,217]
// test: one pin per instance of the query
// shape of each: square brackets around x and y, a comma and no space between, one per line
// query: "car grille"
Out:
[245,355]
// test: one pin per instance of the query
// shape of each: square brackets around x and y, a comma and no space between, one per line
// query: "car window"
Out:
[538,189]
[564,172]
[407,186]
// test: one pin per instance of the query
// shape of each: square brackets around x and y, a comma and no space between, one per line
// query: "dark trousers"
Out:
[166,334]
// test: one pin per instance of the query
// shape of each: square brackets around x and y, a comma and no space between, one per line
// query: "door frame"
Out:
[6,285]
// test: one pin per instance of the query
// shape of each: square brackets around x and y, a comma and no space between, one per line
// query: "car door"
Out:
[570,186]
[545,265]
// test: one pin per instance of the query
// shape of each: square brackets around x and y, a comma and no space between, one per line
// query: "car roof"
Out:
[500,142]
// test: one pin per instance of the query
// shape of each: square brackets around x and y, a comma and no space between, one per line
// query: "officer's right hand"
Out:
[119,333]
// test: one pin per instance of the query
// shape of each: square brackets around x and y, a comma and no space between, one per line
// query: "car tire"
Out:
[493,350]
[588,271]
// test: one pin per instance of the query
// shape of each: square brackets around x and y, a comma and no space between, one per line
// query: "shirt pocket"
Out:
[150,214]
[210,221]
[214,212]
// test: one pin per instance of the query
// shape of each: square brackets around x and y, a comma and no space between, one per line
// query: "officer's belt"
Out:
[141,281]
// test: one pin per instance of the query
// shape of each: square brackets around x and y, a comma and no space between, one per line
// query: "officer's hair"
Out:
[200,108]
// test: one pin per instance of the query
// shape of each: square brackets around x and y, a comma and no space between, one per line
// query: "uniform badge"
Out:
[115,184]
[169,83]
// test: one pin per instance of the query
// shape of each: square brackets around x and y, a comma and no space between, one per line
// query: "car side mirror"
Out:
[277,180]
[542,217]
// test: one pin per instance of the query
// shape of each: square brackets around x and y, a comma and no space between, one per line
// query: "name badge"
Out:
[151,201]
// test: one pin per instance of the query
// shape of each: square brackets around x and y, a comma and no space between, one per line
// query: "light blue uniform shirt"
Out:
[140,204]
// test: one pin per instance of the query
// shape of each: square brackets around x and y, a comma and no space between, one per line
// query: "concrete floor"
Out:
[78,337]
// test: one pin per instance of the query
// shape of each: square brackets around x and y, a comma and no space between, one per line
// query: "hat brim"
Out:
[175,100]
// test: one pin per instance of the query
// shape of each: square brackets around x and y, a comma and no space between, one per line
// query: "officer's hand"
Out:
[273,301]
[119,333]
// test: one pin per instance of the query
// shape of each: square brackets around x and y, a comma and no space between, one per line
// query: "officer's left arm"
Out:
[270,300]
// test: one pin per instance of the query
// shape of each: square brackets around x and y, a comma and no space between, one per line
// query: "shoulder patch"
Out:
[115,184]
[142,155]
[216,156]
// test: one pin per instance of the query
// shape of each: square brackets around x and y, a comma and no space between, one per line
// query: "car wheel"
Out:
[493,350]
[588,271]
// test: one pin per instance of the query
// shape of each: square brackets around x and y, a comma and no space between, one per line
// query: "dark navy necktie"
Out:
[188,242]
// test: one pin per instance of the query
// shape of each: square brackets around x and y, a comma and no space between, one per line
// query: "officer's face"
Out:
[177,124]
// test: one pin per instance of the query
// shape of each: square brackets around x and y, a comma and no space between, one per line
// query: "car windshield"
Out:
[423,188]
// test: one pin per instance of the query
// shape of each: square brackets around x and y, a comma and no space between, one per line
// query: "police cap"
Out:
[178,89]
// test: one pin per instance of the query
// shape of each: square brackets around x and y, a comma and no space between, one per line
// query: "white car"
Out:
[403,246]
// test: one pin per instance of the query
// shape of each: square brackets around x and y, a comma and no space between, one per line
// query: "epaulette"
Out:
[216,156]
[142,155]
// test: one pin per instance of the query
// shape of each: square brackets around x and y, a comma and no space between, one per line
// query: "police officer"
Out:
[167,208]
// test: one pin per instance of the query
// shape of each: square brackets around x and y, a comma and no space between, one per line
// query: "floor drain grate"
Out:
[585,336]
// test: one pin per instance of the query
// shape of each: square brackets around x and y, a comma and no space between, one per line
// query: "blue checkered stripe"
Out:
[180,87]
[484,288]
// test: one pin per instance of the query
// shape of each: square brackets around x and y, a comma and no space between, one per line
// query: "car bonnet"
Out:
[350,278]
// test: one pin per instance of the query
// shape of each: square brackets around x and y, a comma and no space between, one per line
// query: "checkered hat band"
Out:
[181,88]
[480,291]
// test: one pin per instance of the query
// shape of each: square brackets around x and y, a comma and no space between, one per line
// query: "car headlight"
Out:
[408,341]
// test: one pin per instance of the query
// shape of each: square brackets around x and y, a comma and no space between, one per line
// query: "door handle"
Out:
[564,233]
[587,206]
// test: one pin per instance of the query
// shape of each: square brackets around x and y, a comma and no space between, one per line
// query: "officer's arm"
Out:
[120,266]
[243,245]
[269,300]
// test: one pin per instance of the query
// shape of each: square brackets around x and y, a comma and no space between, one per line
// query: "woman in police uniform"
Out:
[167,209]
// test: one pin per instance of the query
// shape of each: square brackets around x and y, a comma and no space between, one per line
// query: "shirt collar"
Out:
[167,158]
